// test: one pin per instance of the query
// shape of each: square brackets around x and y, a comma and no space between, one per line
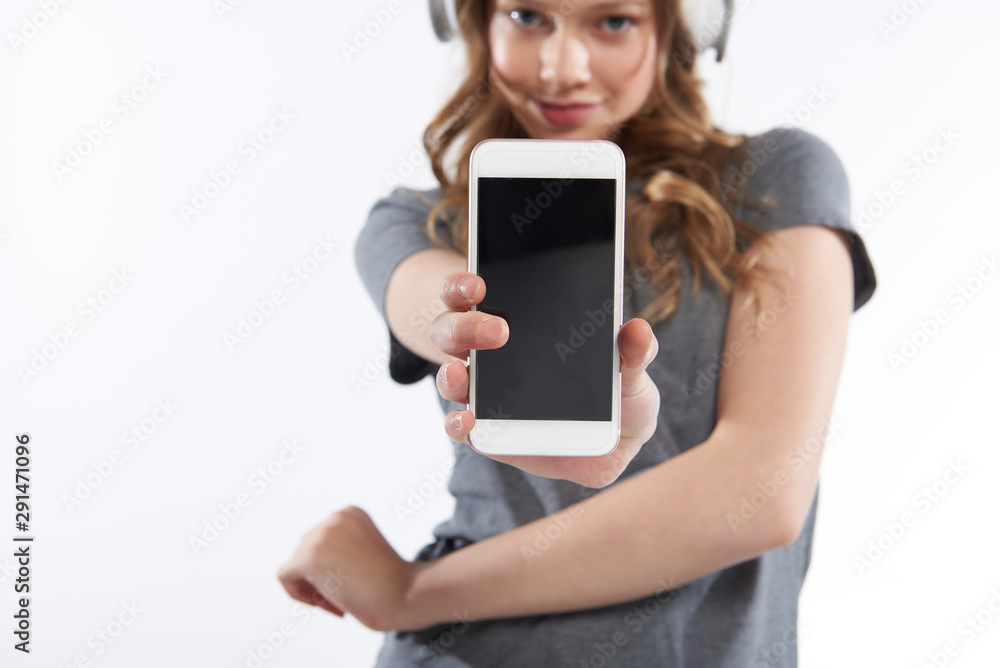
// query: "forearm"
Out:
[660,529]
[412,299]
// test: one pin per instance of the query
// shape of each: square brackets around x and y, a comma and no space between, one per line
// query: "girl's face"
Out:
[573,69]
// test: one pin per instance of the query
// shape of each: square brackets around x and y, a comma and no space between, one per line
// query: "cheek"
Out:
[631,65]
[512,61]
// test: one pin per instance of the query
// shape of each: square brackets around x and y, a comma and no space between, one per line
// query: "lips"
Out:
[565,114]
[565,105]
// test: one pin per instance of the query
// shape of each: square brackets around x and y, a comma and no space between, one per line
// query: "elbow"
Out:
[786,530]
[787,524]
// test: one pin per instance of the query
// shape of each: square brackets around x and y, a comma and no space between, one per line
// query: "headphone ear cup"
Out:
[708,21]
[443,19]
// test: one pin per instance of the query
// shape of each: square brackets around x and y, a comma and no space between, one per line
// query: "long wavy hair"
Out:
[683,211]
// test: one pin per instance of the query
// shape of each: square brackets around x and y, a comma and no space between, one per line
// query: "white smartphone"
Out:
[546,221]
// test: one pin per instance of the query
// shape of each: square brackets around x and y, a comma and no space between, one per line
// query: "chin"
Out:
[581,132]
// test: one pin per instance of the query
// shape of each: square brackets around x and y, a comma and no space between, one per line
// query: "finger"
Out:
[453,381]
[458,424]
[456,333]
[322,602]
[301,590]
[355,510]
[462,289]
[297,586]
[637,346]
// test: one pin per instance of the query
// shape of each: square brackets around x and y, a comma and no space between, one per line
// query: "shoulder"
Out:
[782,160]
[790,143]
[797,174]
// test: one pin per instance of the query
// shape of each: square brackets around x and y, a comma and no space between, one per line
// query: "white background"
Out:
[162,336]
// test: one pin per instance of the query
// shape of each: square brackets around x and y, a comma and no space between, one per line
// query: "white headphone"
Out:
[708,20]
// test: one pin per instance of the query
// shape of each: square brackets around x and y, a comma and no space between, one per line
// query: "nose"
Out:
[565,60]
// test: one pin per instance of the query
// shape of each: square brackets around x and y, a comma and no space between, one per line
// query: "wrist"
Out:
[419,608]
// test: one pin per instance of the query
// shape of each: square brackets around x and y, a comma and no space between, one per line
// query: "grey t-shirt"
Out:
[744,615]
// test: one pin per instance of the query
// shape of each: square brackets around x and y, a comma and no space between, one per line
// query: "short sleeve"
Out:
[807,182]
[396,228]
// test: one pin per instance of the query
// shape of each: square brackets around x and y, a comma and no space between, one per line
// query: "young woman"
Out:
[687,545]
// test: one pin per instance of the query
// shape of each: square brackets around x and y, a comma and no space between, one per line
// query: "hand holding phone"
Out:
[456,331]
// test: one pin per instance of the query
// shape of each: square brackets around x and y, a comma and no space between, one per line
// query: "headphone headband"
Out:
[708,21]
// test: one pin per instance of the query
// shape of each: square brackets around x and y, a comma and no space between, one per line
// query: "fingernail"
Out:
[468,288]
[456,421]
[492,329]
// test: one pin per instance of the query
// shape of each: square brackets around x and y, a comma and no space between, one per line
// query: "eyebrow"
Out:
[619,4]
[614,4]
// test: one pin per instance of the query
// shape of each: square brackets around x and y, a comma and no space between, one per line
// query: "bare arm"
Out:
[672,523]
[412,300]
[413,304]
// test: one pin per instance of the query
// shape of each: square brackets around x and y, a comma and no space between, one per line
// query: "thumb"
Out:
[637,346]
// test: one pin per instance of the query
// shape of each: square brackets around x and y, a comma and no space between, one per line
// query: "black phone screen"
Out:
[546,250]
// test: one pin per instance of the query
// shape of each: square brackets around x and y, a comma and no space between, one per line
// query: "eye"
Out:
[526,14]
[619,23]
